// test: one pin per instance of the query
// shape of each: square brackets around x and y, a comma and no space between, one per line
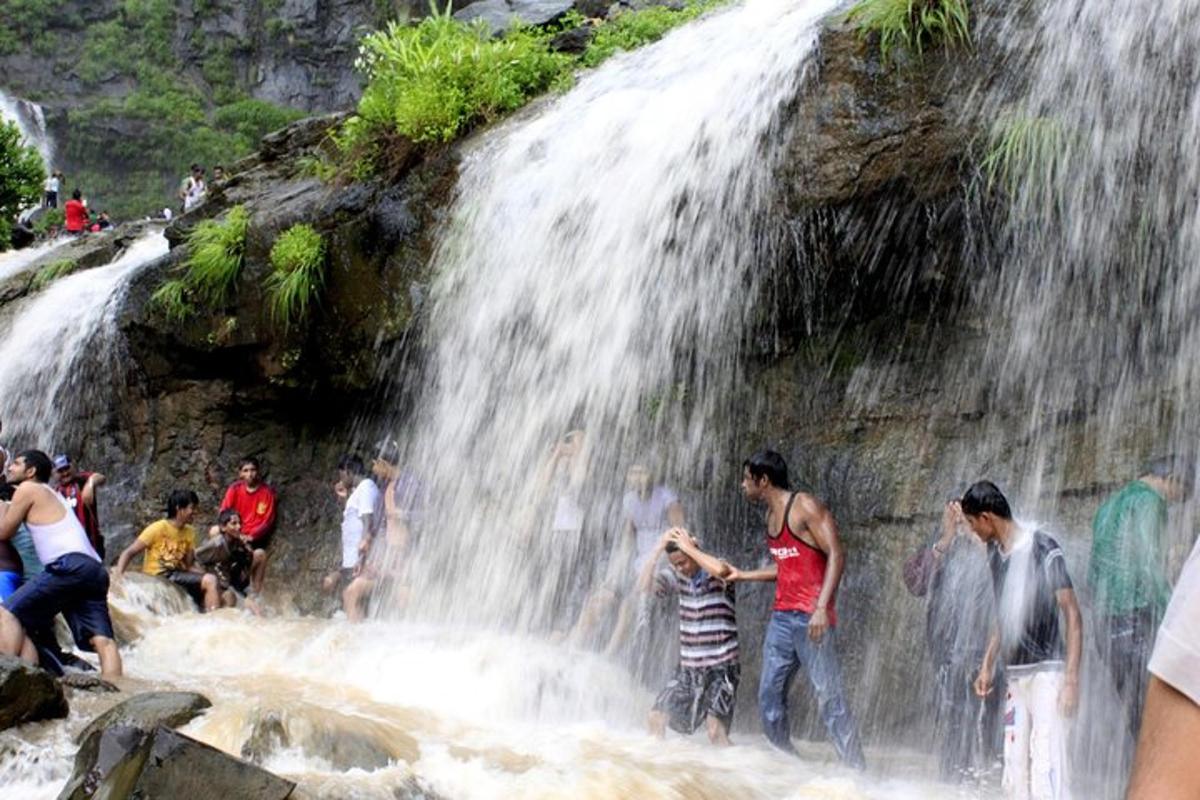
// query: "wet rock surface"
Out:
[86,682]
[28,694]
[130,761]
[147,711]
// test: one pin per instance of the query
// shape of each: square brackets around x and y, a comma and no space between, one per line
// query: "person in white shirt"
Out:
[360,496]
[1163,768]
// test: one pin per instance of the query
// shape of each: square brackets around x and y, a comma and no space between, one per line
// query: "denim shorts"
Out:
[73,585]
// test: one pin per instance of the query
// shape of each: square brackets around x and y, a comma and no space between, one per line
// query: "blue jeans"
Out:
[786,648]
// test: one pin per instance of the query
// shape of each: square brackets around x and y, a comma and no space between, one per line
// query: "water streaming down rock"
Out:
[31,121]
[62,352]
[594,275]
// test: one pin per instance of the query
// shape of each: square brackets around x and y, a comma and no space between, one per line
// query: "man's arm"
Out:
[816,517]
[135,547]
[88,493]
[1163,768]
[766,574]
[646,578]
[675,517]
[983,682]
[710,564]
[13,514]
[1068,699]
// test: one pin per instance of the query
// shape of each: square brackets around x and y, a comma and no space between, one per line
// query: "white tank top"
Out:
[57,539]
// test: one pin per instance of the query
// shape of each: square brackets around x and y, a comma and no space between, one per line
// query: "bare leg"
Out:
[355,596]
[110,657]
[597,605]
[716,732]
[657,723]
[12,635]
[258,571]
[212,592]
[329,582]
[625,619]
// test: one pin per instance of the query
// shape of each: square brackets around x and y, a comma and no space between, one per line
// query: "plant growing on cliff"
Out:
[1024,159]
[216,253]
[630,30]
[51,272]
[172,300]
[912,25]
[298,259]
[21,176]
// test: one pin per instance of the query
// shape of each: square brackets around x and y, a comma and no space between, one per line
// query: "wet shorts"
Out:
[694,693]
[189,582]
[9,583]
[73,585]
[263,542]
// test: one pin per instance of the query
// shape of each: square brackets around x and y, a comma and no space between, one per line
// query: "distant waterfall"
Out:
[31,121]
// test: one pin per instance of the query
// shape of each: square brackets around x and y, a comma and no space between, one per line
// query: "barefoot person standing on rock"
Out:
[74,583]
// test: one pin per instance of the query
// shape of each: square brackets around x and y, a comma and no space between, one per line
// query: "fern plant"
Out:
[217,250]
[298,261]
[172,300]
[912,25]
[52,272]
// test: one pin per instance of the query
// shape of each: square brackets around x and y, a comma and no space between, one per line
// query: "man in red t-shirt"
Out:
[79,488]
[75,213]
[255,503]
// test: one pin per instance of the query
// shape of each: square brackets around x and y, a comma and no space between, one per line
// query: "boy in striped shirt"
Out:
[704,686]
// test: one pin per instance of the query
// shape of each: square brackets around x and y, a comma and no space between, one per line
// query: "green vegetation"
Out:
[173,299]
[216,254]
[21,178]
[1025,153]
[439,79]
[298,258]
[52,272]
[50,218]
[912,25]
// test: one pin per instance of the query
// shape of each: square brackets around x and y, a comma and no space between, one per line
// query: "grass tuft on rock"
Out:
[216,253]
[298,259]
[1024,152]
[51,272]
[173,300]
[633,29]
[912,25]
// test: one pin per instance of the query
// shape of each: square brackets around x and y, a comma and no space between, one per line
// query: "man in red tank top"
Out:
[802,538]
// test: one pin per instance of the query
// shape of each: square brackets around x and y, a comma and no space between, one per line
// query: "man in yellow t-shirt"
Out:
[170,548]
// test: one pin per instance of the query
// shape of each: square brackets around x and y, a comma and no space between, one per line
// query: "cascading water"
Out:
[31,121]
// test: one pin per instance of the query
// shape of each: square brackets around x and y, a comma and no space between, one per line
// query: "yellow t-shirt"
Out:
[167,547]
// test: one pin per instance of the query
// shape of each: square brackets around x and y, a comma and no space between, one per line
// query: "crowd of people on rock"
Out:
[1003,619]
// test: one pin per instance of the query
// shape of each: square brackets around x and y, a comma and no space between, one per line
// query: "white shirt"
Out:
[52,185]
[649,518]
[1176,659]
[360,503]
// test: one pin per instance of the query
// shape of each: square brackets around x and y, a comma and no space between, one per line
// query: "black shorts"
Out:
[694,693]
[189,582]
[262,542]
[75,586]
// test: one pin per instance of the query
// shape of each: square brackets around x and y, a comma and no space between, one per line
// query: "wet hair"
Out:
[1172,466]
[77,195]
[218,167]
[352,464]
[388,451]
[250,461]
[180,498]
[984,497]
[672,548]
[768,464]
[226,515]
[197,168]
[42,466]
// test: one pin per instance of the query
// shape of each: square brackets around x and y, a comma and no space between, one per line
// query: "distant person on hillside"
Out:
[359,496]
[254,501]
[802,538]
[703,689]
[227,556]
[1129,571]
[76,214]
[52,187]
[952,573]
[193,190]
[1032,588]
[73,582]
[79,489]
[218,173]
[170,548]
[104,221]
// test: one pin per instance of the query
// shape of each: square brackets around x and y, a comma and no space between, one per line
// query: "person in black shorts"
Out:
[170,551]
[704,687]
[228,557]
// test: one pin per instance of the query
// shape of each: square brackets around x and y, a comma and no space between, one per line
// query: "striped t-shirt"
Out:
[707,623]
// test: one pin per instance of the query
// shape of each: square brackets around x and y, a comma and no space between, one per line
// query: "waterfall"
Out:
[31,121]
[75,319]
[594,275]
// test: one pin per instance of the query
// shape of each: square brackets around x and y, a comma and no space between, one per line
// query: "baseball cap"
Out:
[62,460]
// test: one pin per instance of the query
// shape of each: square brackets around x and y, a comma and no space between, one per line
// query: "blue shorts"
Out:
[75,586]
[9,583]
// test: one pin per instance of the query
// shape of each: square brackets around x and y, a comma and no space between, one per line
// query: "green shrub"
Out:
[173,300]
[52,272]
[913,25]
[50,218]
[21,178]
[630,30]
[217,249]
[298,258]
[1025,152]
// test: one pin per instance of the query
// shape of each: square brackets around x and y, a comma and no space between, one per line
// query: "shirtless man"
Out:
[802,538]
[74,582]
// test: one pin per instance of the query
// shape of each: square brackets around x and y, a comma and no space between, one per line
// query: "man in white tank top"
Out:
[74,583]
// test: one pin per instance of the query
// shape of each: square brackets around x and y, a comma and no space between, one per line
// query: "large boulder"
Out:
[28,694]
[500,15]
[149,710]
[128,761]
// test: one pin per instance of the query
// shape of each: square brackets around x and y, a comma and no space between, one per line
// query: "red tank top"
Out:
[801,571]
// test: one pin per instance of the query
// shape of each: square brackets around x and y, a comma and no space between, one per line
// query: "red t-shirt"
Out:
[76,215]
[256,508]
[88,516]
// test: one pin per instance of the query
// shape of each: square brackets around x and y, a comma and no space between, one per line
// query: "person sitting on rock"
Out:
[360,496]
[254,501]
[170,548]
[228,556]
[73,582]
[75,214]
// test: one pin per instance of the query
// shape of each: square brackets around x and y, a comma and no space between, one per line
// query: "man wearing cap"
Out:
[79,488]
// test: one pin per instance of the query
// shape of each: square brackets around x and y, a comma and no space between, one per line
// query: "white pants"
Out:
[1035,738]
